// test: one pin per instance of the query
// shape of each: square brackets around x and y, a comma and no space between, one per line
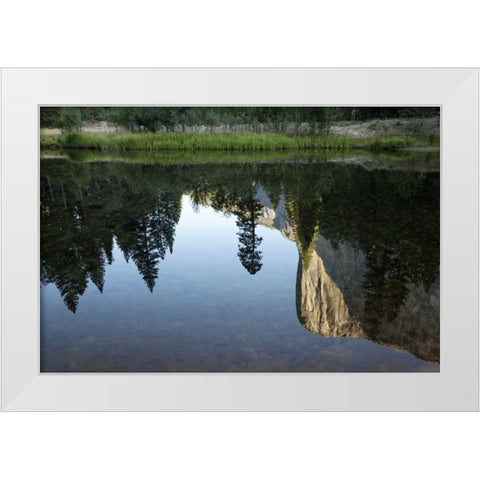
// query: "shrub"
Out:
[70,119]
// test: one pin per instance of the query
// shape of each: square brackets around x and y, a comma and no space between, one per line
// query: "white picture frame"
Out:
[455,388]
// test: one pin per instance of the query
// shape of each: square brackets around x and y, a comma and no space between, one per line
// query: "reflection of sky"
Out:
[206,313]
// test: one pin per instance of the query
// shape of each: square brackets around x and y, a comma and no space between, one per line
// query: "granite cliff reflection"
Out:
[413,326]
[368,241]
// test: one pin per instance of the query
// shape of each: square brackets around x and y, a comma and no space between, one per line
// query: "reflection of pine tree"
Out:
[167,215]
[72,286]
[62,247]
[200,193]
[95,258]
[385,289]
[67,271]
[145,255]
[220,199]
[272,180]
[250,257]
[154,234]
[150,236]
[304,212]
[106,241]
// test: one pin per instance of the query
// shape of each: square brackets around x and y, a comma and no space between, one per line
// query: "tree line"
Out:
[153,119]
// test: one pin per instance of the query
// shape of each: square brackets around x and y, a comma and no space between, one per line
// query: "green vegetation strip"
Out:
[124,142]
[371,160]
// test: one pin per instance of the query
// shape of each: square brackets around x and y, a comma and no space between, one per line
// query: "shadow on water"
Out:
[368,239]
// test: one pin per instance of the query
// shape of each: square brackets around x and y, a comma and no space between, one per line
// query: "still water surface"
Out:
[307,266]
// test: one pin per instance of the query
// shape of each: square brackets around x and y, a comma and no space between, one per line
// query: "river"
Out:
[278,266]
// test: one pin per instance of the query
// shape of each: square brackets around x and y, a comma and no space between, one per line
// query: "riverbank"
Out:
[227,141]
[387,160]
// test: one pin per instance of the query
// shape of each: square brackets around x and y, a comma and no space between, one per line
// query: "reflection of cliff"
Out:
[321,307]
[347,267]
[416,328]
[332,298]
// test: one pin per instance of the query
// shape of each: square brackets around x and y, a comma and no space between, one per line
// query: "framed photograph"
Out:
[239,239]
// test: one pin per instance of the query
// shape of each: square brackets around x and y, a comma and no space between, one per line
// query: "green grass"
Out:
[175,157]
[124,142]
[371,160]
[49,143]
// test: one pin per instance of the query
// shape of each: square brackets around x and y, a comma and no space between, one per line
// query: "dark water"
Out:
[305,266]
